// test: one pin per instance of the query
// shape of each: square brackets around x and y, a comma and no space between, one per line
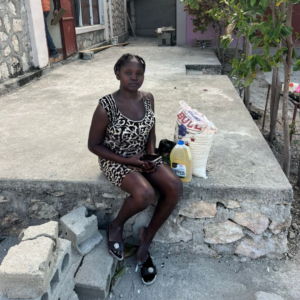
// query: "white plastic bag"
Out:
[197,132]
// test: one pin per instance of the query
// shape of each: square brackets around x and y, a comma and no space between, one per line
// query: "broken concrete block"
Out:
[81,230]
[73,296]
[62,265]
[49,229]
[67,285]
[62,280]
[88,55]
[222,233]
[95,274]
[26,270]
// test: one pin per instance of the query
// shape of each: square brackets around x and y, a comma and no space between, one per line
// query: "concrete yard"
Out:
[47,170]
[190,277]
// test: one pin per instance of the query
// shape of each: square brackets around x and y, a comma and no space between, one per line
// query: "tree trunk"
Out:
[287,77]
[237,47]
[274,104]
[217,39]
[248,52]
[298,181]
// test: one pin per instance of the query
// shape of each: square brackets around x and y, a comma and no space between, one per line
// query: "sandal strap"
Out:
[148,271]
[115,246]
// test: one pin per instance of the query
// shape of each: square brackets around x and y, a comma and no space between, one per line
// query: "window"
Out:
[88,12]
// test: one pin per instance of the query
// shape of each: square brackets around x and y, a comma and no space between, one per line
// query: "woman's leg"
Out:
[170,188]
[141,196]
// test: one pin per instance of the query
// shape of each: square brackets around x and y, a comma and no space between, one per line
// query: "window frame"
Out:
[100,7]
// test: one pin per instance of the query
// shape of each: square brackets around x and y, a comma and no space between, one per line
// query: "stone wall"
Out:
[117,8]
[15,46]
[210,226]
[89,39]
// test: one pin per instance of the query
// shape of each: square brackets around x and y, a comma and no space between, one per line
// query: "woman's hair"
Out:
[126,57]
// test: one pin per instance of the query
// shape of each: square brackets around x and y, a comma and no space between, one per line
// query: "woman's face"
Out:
[131,75]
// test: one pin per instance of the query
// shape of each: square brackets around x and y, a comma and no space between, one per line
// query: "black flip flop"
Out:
[116,249]
[148,271]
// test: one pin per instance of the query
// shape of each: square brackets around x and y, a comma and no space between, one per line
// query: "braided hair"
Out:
[126,57]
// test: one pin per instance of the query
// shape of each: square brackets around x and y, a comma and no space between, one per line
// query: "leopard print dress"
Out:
[124,137]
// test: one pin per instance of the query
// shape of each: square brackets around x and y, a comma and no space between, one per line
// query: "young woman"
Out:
[122,131]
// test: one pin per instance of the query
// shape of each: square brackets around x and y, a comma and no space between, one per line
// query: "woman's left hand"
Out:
[148,167]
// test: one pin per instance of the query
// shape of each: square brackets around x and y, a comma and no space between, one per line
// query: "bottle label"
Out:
[179,170]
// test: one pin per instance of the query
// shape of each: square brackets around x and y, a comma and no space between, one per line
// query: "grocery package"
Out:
[197,132]
[181,161]
[293,87]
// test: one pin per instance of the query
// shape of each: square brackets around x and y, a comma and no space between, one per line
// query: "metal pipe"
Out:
[110,20]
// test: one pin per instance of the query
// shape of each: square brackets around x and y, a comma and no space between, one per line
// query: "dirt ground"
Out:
[259,90]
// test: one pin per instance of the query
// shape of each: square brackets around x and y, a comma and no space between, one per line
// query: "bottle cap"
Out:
[180,142]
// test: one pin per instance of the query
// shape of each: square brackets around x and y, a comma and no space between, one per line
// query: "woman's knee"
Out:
[144,196]
[173,189]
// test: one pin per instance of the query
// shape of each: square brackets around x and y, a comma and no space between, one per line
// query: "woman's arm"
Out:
[150,146]
[96,136]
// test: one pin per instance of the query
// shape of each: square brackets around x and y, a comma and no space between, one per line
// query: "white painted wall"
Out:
[37,33]
[180,24]
[106,32]
[54,29]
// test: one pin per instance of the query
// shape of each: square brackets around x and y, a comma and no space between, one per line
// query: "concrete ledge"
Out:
[246,192]
[14,83]
[84,29]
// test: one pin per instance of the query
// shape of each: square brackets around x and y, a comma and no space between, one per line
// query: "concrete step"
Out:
[52,176]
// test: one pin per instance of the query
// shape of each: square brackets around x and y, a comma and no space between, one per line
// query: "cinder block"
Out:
[81,230]
[88,55]
[62,281]
[166,35]
[73,296]
[159,40]
[95,274]
[26,270]
[167,42]
[62,265]
[67,285]
[49,229]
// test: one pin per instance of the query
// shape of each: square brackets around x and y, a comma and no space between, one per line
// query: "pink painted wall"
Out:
[209,34]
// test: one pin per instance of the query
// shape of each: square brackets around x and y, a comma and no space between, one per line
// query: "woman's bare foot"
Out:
[142,253]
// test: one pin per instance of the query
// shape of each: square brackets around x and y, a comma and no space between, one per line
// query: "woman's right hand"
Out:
[135,160]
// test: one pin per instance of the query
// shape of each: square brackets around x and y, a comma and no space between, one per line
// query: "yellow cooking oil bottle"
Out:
[181,161]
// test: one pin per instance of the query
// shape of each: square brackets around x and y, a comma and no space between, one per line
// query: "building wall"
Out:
[92,38]
[15,45]
[118,8]
[118,17]
[209,34]
[153,14]
[87,40]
